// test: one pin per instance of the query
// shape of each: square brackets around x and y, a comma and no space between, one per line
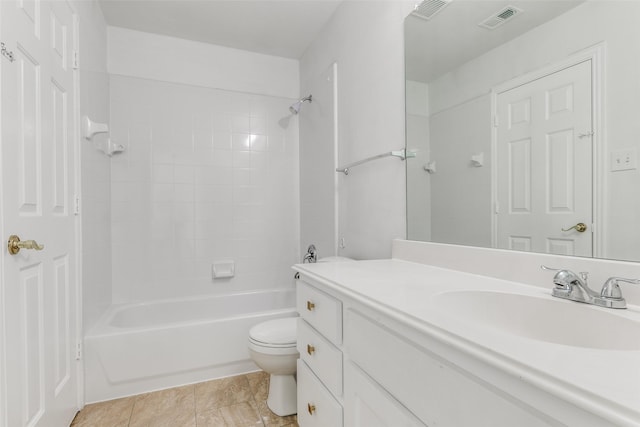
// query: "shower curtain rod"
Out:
[402,154]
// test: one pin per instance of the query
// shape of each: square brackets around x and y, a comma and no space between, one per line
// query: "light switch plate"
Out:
[622,160]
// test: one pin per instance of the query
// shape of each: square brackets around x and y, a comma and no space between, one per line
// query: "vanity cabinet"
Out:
[423,382]
[362,365]
[367,404]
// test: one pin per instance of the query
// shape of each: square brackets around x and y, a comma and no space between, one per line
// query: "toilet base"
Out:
[282,398]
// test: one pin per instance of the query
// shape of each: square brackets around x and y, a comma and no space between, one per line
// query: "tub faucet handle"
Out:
[310,256]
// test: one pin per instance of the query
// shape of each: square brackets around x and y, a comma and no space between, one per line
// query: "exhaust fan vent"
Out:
[497,19]
[428,8]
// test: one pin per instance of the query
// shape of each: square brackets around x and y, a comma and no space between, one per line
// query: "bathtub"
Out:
[136,348]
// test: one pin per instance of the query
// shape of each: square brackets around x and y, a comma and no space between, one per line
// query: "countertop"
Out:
[605,382]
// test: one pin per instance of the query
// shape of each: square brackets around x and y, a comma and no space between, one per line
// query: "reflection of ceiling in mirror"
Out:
[453,36]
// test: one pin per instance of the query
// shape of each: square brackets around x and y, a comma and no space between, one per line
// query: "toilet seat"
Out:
[275,333]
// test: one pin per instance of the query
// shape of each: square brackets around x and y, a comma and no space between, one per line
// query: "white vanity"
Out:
[399,343]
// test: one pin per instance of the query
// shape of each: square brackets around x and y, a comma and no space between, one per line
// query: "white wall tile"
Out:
[258,124]
[183,211]
[200,201]
[260,159]
[240,124]
[241,177]
[222,140]
[240,141]
[202,139]
[183,174]
[258,142]
[222,158]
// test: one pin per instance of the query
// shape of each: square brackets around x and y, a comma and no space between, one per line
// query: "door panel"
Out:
[560,173]
[39,288]
[544,168]
[32,337]
[520,176]
[60,145]
[62,340]
[29,103]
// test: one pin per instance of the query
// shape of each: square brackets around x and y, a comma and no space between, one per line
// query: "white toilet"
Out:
[272,345]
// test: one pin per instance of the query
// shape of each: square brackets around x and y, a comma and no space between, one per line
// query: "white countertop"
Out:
[606,382]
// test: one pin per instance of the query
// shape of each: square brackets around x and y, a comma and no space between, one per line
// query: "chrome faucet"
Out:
[574,287]
[310,256]
[612,292]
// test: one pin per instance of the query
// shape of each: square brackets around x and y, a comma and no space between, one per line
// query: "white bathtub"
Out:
[136,348]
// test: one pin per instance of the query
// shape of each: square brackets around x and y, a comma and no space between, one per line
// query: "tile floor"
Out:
[238,401]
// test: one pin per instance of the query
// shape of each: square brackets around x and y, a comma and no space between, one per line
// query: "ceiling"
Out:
[453,37]
[273,27]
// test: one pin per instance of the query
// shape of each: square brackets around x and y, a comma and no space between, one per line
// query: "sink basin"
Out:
[543,319]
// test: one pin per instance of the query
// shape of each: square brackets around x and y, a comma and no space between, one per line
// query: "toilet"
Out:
[272,346]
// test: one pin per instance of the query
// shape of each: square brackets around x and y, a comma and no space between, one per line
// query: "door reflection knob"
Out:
[581,227]
[14,245]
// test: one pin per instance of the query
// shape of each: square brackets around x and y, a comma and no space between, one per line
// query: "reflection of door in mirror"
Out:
[544,157]
[455,68]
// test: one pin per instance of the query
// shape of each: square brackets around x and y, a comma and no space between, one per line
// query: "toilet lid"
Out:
[278,331]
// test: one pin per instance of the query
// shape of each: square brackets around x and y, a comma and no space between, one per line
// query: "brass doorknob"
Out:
[14,245]
[310,349]
[580,227]
[310,306]
[311,408]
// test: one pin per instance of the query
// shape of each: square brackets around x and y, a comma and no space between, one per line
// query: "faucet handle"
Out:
[311,255]
[611,289]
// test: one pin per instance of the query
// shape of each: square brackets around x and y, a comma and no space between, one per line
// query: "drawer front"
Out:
[366,404]
[316,406]
[321,311]
[435,391]
[324,359]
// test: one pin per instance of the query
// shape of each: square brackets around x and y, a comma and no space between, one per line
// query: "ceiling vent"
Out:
[428,8]
[499,18]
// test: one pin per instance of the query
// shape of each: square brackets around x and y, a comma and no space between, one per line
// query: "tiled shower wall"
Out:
[206,175]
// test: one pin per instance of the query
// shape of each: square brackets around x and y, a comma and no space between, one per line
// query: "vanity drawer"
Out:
[321,311]
[324,359]
[316,406]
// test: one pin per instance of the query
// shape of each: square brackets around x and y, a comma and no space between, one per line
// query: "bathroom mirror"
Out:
[525,120]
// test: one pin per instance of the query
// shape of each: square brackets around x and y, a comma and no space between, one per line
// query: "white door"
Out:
[544,164]
[39,287]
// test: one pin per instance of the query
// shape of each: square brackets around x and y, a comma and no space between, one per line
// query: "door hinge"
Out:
[496,121]
[76,60]
[76,205]
[496,207]
[6,52]
[79,351]
[586,134]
